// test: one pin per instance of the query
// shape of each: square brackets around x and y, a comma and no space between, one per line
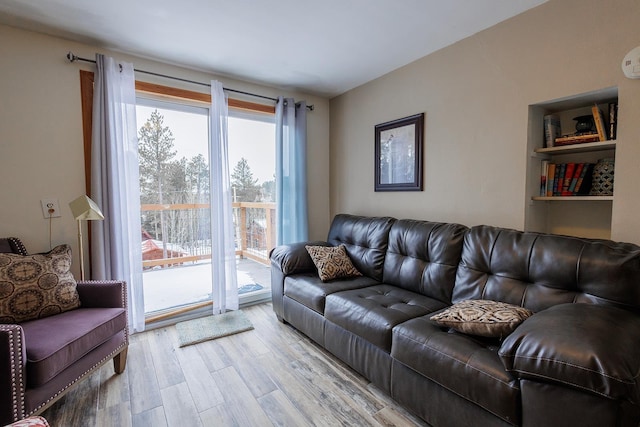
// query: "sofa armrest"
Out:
[13,358]
[588,346]
[103,294]
[286,260]
[294,258]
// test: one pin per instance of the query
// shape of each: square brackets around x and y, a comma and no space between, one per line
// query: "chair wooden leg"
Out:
[120,361]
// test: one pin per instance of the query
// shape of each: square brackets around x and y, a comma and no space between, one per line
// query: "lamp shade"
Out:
[83,208]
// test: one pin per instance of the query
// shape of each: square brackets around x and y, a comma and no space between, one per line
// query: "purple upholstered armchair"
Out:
[43,358]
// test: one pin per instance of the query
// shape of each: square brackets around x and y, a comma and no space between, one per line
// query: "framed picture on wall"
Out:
[398,154]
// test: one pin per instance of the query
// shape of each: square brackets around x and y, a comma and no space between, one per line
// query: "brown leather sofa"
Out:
[575,362]
[42,359]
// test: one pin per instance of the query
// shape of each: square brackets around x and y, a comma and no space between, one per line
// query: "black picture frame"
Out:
[398,154]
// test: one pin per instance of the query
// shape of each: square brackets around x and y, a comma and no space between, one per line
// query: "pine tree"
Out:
[197,176]
[269,190]
[245,186]
[156,153]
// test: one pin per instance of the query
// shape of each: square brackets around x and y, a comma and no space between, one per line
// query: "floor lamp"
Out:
[84,209]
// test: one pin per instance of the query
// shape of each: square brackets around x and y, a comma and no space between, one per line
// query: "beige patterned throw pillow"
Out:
[332,262]
[36,286]
[483,317]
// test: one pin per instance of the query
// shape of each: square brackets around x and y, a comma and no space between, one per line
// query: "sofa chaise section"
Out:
[581,338]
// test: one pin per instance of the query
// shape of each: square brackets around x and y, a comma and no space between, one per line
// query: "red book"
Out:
[574,179]
[566,182]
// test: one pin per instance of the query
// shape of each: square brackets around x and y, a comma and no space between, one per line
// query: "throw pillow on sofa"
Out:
[332,262]
[36,286]
[483,317]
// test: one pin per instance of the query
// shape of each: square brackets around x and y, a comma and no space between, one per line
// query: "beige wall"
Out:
[41,152]
[475,95]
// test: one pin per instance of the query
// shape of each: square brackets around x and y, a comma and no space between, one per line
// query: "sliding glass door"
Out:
[252,164]
[174,192]
[174,188]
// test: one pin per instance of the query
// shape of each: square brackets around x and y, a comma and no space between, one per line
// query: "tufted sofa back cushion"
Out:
[423,257]
[538,271]
[365,239]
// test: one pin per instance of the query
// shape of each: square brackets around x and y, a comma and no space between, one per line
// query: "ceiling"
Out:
[323,47]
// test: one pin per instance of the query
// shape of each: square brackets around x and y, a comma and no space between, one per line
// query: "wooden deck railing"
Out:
[255,234]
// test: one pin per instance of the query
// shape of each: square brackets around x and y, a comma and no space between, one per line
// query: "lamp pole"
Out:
[81,250]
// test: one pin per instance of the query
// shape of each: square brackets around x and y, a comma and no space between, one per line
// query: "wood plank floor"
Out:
[272,375]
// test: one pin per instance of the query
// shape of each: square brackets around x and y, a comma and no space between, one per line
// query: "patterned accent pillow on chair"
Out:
[332,262]
[36,286]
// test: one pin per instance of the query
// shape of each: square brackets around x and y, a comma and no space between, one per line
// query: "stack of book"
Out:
[602,132]
[565,179]
[577,138]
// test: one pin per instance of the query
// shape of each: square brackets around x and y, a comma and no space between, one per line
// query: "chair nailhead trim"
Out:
[17,380]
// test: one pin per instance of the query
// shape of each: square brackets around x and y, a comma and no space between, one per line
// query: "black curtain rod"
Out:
[73,58]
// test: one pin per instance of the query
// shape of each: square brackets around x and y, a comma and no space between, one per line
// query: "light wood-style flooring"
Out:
[272,375]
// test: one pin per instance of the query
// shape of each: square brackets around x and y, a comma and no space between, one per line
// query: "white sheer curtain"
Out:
[291,171]
[223,252]
[116,241]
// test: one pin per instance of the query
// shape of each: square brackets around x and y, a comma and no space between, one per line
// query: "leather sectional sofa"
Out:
[574,362]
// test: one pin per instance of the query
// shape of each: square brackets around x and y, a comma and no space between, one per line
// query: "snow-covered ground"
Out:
[171,287]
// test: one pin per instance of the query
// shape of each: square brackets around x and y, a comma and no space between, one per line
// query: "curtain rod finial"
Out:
[71,57]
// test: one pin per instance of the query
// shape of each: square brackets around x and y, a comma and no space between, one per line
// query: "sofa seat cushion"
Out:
[466,365]
[372,312]
[310,291]
[56,342]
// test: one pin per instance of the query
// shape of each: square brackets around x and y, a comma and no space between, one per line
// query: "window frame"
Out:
[155,90]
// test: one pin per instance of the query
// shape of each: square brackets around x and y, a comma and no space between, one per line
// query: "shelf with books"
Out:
[567,179]
[569,136]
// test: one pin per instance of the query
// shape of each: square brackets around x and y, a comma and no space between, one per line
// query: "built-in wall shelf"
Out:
[584,215]
[587,147]
[573,198]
